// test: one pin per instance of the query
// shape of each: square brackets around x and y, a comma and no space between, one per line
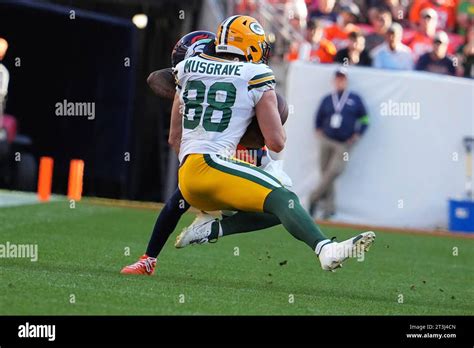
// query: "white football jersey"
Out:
[218,97]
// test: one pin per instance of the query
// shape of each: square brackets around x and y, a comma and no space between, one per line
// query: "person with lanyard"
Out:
[340,122]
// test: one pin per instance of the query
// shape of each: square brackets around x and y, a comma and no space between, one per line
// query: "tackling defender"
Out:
[221,93]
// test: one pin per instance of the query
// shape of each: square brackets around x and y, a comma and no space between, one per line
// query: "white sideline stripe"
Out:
[10,198]
[246,170]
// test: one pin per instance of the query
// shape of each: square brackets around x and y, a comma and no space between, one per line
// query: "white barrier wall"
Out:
[405,168]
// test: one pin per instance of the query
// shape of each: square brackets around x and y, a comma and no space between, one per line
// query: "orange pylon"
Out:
[76,174]
[45,178]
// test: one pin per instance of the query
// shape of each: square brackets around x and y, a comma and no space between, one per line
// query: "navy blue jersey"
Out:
[438,66]
[354,118]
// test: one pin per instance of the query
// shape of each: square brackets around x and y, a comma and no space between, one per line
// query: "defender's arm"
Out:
[162,83]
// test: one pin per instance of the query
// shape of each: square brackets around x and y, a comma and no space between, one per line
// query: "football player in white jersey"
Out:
[162,83]
[217,97]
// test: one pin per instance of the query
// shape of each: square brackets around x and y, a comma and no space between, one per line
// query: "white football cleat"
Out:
[196,233]
[332,255]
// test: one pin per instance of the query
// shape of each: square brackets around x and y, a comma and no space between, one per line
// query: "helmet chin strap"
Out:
[249,56]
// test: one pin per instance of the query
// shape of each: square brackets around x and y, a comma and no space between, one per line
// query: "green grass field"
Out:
[82,250]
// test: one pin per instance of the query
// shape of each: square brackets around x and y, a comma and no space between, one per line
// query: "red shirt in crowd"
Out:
[339,36]
[324,52]
[446,10]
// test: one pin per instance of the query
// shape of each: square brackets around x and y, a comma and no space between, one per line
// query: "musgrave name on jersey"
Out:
[212,68]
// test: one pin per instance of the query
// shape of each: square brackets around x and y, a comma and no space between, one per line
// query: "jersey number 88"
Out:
[196,104]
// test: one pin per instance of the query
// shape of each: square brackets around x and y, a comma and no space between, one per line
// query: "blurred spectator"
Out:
[465,15]
[372,15]
[355,53]
[245,6]
[437,61]
[340,122]
[446,10]
[3,48]
[382,21]
[325,12]
[393,54]
[399,10]
[338,33]
[466,55]
[4,79]
[312,5]
[422,41]
[316,48]
[363,9]
[297,12]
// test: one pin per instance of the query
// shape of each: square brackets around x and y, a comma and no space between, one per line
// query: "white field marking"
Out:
[15,198]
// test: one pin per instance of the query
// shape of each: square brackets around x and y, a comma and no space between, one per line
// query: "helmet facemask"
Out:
[266,48]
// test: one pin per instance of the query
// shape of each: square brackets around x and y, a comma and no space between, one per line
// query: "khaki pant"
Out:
[332,164]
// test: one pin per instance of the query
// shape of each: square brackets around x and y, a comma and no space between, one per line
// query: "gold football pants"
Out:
[212,182]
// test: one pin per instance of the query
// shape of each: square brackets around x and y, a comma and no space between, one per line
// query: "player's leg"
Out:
[281,207]
[206,227]
[165,224]
[212,182]
[231,192]
[286,206]
[243,222]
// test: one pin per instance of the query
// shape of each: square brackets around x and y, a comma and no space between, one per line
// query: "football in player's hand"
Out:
[253,137]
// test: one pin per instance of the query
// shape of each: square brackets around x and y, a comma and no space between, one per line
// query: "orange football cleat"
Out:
[145,265]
